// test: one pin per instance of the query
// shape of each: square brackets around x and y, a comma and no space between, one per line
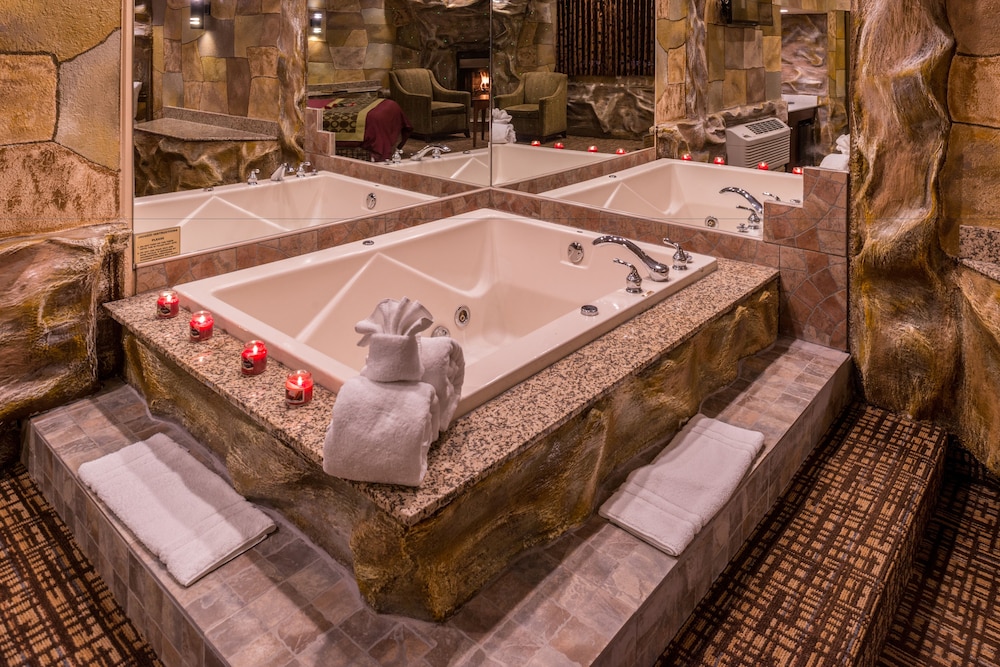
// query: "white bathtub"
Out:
[512,273]
[502,163]
[232,214]
[683,192]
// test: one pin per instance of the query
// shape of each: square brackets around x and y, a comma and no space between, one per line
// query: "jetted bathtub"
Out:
[502,163]
[231,214]
[683,192]
[502,285]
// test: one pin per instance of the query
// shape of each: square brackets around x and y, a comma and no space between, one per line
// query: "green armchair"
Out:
[431,108]
[538,106]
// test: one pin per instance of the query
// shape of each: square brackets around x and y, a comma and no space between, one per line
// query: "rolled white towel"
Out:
[499,132]
[444,369]
[392,358]
[380,432]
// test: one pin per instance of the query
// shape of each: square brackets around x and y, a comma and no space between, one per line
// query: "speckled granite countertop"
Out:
[979,248]
[482,439]
[191,131]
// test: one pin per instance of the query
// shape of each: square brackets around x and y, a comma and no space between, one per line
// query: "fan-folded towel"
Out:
[381,431]
[668,501]
[184,513]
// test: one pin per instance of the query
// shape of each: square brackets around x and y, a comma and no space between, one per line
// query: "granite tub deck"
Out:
[516,472]
[596,595]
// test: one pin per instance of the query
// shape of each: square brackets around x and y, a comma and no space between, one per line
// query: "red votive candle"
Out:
[298,388]
[797,170]
[591,149]
[620,151]
[558,144]
[762,166]
[719,160]
[167,304]
[254,358]
[687,156]
[536,142]
[201,325]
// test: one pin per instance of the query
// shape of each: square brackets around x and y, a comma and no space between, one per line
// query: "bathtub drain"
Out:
[371,200]
[711,221]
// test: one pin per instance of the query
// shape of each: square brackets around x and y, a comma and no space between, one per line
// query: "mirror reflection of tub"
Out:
[503,286]
[501,164]
[233,214]
[685,192]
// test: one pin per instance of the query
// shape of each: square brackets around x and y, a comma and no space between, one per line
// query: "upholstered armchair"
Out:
[538,106]
[431,108]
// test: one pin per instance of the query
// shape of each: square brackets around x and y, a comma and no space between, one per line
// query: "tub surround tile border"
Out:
[597,595]
[566,177]
[820,222]
[485,437]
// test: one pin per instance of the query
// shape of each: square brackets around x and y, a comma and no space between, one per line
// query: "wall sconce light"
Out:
[200,11]
[315,23]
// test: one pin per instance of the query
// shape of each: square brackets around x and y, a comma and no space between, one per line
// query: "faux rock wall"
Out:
[63,246]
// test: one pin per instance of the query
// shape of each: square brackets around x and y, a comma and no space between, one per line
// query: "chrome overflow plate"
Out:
[574,252]
[462,316]
[371,200]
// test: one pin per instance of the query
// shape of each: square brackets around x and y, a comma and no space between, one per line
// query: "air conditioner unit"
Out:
[765,140]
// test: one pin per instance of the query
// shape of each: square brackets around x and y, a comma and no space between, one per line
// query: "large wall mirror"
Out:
[222,88]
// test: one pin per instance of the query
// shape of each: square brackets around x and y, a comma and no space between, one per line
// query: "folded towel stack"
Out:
[501,129]
[385,420]
[668,501]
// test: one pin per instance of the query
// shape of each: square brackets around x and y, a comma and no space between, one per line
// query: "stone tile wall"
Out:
[63,244]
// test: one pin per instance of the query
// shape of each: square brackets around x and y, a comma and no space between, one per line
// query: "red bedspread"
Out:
[384,127]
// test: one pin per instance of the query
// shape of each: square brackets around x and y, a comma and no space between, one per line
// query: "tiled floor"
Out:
[594,596]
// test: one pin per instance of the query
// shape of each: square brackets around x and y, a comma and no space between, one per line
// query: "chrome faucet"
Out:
[301,171]
[279,173]
[252,178]
[756,208]
[657,272]
[434,149]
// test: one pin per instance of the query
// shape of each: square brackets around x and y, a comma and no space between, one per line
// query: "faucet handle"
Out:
[252,179]
[633,281]
[302,169]
[681,257]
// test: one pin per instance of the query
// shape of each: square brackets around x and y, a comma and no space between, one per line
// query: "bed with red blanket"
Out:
[366,125]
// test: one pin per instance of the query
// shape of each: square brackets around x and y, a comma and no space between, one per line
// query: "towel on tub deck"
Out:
[444,369]
[668,501]
[184,513]
[390,333]
[381,431]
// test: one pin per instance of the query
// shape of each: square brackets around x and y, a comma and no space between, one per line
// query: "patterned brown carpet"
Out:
[54,608]
[950,612]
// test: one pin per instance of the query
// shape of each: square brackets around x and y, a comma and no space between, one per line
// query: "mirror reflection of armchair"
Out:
[431,108]
[538,106]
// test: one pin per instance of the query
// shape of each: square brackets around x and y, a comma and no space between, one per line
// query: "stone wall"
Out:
[926,330]
[63,244]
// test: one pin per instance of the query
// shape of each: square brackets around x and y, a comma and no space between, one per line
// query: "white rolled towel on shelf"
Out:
[444,369]
[503,133]
[381,432]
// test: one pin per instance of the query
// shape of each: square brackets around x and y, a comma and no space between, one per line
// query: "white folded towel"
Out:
[444,369]
[502,133]
[844,144]
[668,501]
[501,116]
[390,332]
[380,432]
[184,513]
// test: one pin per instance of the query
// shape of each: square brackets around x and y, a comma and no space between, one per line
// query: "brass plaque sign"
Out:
[159,244]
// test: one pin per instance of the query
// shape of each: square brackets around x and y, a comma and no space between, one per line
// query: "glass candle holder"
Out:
[298,388]
[253,359]
[591,149]
[559,145]
[719,160]
[167,304]
[201,326]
